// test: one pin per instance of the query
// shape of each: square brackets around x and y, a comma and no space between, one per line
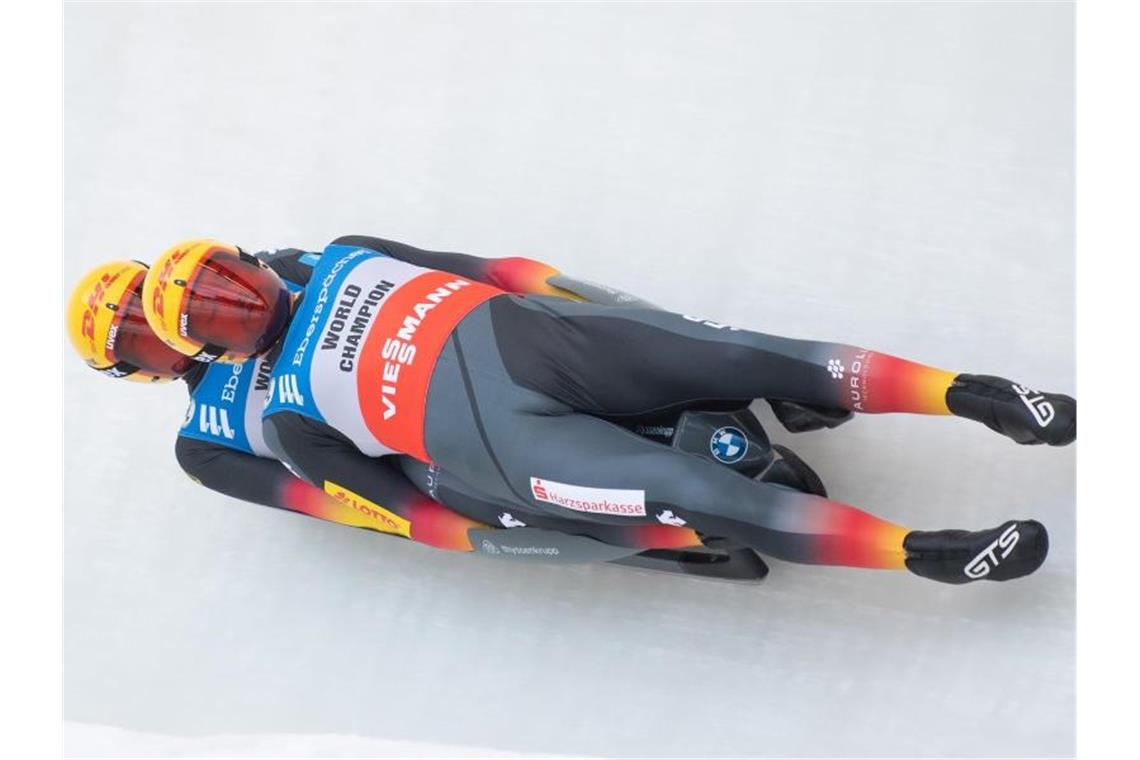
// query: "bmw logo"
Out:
[728,445]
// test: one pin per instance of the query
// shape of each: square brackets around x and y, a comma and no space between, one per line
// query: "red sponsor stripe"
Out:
[400,352]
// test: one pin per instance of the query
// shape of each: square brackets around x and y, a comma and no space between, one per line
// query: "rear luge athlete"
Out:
[521,399]
[220,446]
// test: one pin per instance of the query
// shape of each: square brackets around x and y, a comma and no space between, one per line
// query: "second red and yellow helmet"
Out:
[212,301]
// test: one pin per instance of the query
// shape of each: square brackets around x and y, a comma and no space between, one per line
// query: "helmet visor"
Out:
[236,302]
[133,342]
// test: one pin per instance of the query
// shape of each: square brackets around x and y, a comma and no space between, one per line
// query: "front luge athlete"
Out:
[520,398]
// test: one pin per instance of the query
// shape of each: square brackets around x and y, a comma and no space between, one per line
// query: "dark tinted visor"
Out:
[135,344]
[235,302]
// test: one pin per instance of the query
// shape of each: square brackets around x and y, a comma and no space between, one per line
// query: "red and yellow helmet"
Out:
[211,300]
[108,326]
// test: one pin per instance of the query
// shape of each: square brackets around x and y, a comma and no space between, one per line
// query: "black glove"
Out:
[1027,416]
[798,417]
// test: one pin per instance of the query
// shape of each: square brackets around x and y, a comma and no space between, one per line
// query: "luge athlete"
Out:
[519,399]
[220,443]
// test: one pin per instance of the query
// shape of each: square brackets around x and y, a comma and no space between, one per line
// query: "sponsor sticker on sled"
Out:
[606,501]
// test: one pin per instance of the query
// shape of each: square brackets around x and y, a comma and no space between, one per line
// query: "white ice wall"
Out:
[892,175]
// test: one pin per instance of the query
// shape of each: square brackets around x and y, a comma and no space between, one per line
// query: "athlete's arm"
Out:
[255,479]
[374,488]
[514,274]
[262,481]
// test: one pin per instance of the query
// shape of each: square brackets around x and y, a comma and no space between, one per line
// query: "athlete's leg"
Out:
[522,447]
[651,533]
[610,361]
[578,466]
[444,487]
[373,492]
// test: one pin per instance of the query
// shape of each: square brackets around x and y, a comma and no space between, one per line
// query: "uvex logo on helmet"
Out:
[158,298]
[93,302]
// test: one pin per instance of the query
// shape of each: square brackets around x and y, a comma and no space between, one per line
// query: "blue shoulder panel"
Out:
[217,406]
[291,387]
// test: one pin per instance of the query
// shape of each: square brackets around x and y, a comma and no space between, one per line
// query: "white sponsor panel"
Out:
[333,382]
[604,501]
[255,400]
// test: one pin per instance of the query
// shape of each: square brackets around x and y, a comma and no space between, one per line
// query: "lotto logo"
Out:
[371,514]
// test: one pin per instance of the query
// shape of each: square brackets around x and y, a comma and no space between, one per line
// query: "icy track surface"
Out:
[897,176]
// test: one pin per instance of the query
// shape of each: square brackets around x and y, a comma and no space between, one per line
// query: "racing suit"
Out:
[390,362]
